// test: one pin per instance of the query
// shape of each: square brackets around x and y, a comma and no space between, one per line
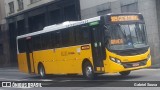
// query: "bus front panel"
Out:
[126,43]
[117,63]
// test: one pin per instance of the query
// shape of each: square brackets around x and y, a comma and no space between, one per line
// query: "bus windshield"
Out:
[126,36]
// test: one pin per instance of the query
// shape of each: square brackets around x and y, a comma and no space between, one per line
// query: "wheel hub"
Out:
[88,71]
[42,72]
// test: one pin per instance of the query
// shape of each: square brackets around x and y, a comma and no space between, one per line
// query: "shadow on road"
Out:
[80,77]
[79,81]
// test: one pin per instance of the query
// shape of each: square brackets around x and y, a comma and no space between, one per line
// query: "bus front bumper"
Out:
[113,67]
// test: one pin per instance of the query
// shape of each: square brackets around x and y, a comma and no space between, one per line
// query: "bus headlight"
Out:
[148,57]
[115,60]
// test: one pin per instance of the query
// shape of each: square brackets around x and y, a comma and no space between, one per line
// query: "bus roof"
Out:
[56,27]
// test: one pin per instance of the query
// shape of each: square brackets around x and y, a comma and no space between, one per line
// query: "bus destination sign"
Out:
[123,18]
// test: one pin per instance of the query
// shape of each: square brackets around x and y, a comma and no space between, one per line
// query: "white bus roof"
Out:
[56,27]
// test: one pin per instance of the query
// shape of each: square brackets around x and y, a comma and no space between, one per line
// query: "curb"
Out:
[8,67]
[157,66]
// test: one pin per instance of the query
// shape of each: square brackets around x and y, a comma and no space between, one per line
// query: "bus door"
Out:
[97,49]
[29,53]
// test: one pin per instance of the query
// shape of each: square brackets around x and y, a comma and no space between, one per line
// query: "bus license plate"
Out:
[135,64]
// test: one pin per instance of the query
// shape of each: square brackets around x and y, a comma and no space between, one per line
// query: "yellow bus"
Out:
[113,43]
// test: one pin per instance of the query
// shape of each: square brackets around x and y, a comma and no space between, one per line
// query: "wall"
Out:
[27,5]
[148,9]
[158,19]
[4,54]
[2,12]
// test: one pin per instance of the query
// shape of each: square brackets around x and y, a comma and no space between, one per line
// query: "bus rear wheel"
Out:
[88,72]
[125,73]
[42,71]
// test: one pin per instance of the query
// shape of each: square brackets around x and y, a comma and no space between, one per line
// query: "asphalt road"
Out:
[75,82]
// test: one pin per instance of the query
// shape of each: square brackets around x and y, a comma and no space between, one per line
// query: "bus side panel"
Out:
[55,61]
[32,62]
[80,56]
[59,62]
[66,60]
[70,59]
[22,62]
[49,61]
[47,58]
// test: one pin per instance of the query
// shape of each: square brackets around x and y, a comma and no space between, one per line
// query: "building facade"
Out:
[4,44]
[25,16]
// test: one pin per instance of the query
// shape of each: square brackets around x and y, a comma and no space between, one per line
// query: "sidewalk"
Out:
[156,66]
[13,65]
[9,69]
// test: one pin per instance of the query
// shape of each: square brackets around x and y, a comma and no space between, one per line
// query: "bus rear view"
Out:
[126,43]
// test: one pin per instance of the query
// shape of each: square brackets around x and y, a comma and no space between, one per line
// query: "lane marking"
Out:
[25,79]
[86,80]
[36,80]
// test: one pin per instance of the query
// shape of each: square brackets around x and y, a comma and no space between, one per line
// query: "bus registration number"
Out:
[135,64]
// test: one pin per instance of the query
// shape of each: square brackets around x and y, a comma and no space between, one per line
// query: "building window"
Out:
[1,49]
[11,7]
[103,12]
[133,7]
[34,1]
[20,5]
[0,32]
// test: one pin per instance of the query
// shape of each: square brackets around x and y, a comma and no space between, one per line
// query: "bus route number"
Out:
[116,41]
[124,18]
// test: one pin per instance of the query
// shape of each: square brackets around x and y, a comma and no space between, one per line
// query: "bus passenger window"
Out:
[72,36]
[53,39]
[21,45]
[82,35]
[37,43]
[58,39]
[85,32]
[65,38]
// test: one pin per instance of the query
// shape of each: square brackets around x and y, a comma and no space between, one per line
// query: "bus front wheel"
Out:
[125,73]
[88,72]
[42,71]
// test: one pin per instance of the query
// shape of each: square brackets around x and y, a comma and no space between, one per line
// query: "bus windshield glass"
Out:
[126,36]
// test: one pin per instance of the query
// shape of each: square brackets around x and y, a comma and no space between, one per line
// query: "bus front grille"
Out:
[135,64]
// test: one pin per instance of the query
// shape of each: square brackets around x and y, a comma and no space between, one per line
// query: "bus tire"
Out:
[125,73]
[88,72]
[41,71]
